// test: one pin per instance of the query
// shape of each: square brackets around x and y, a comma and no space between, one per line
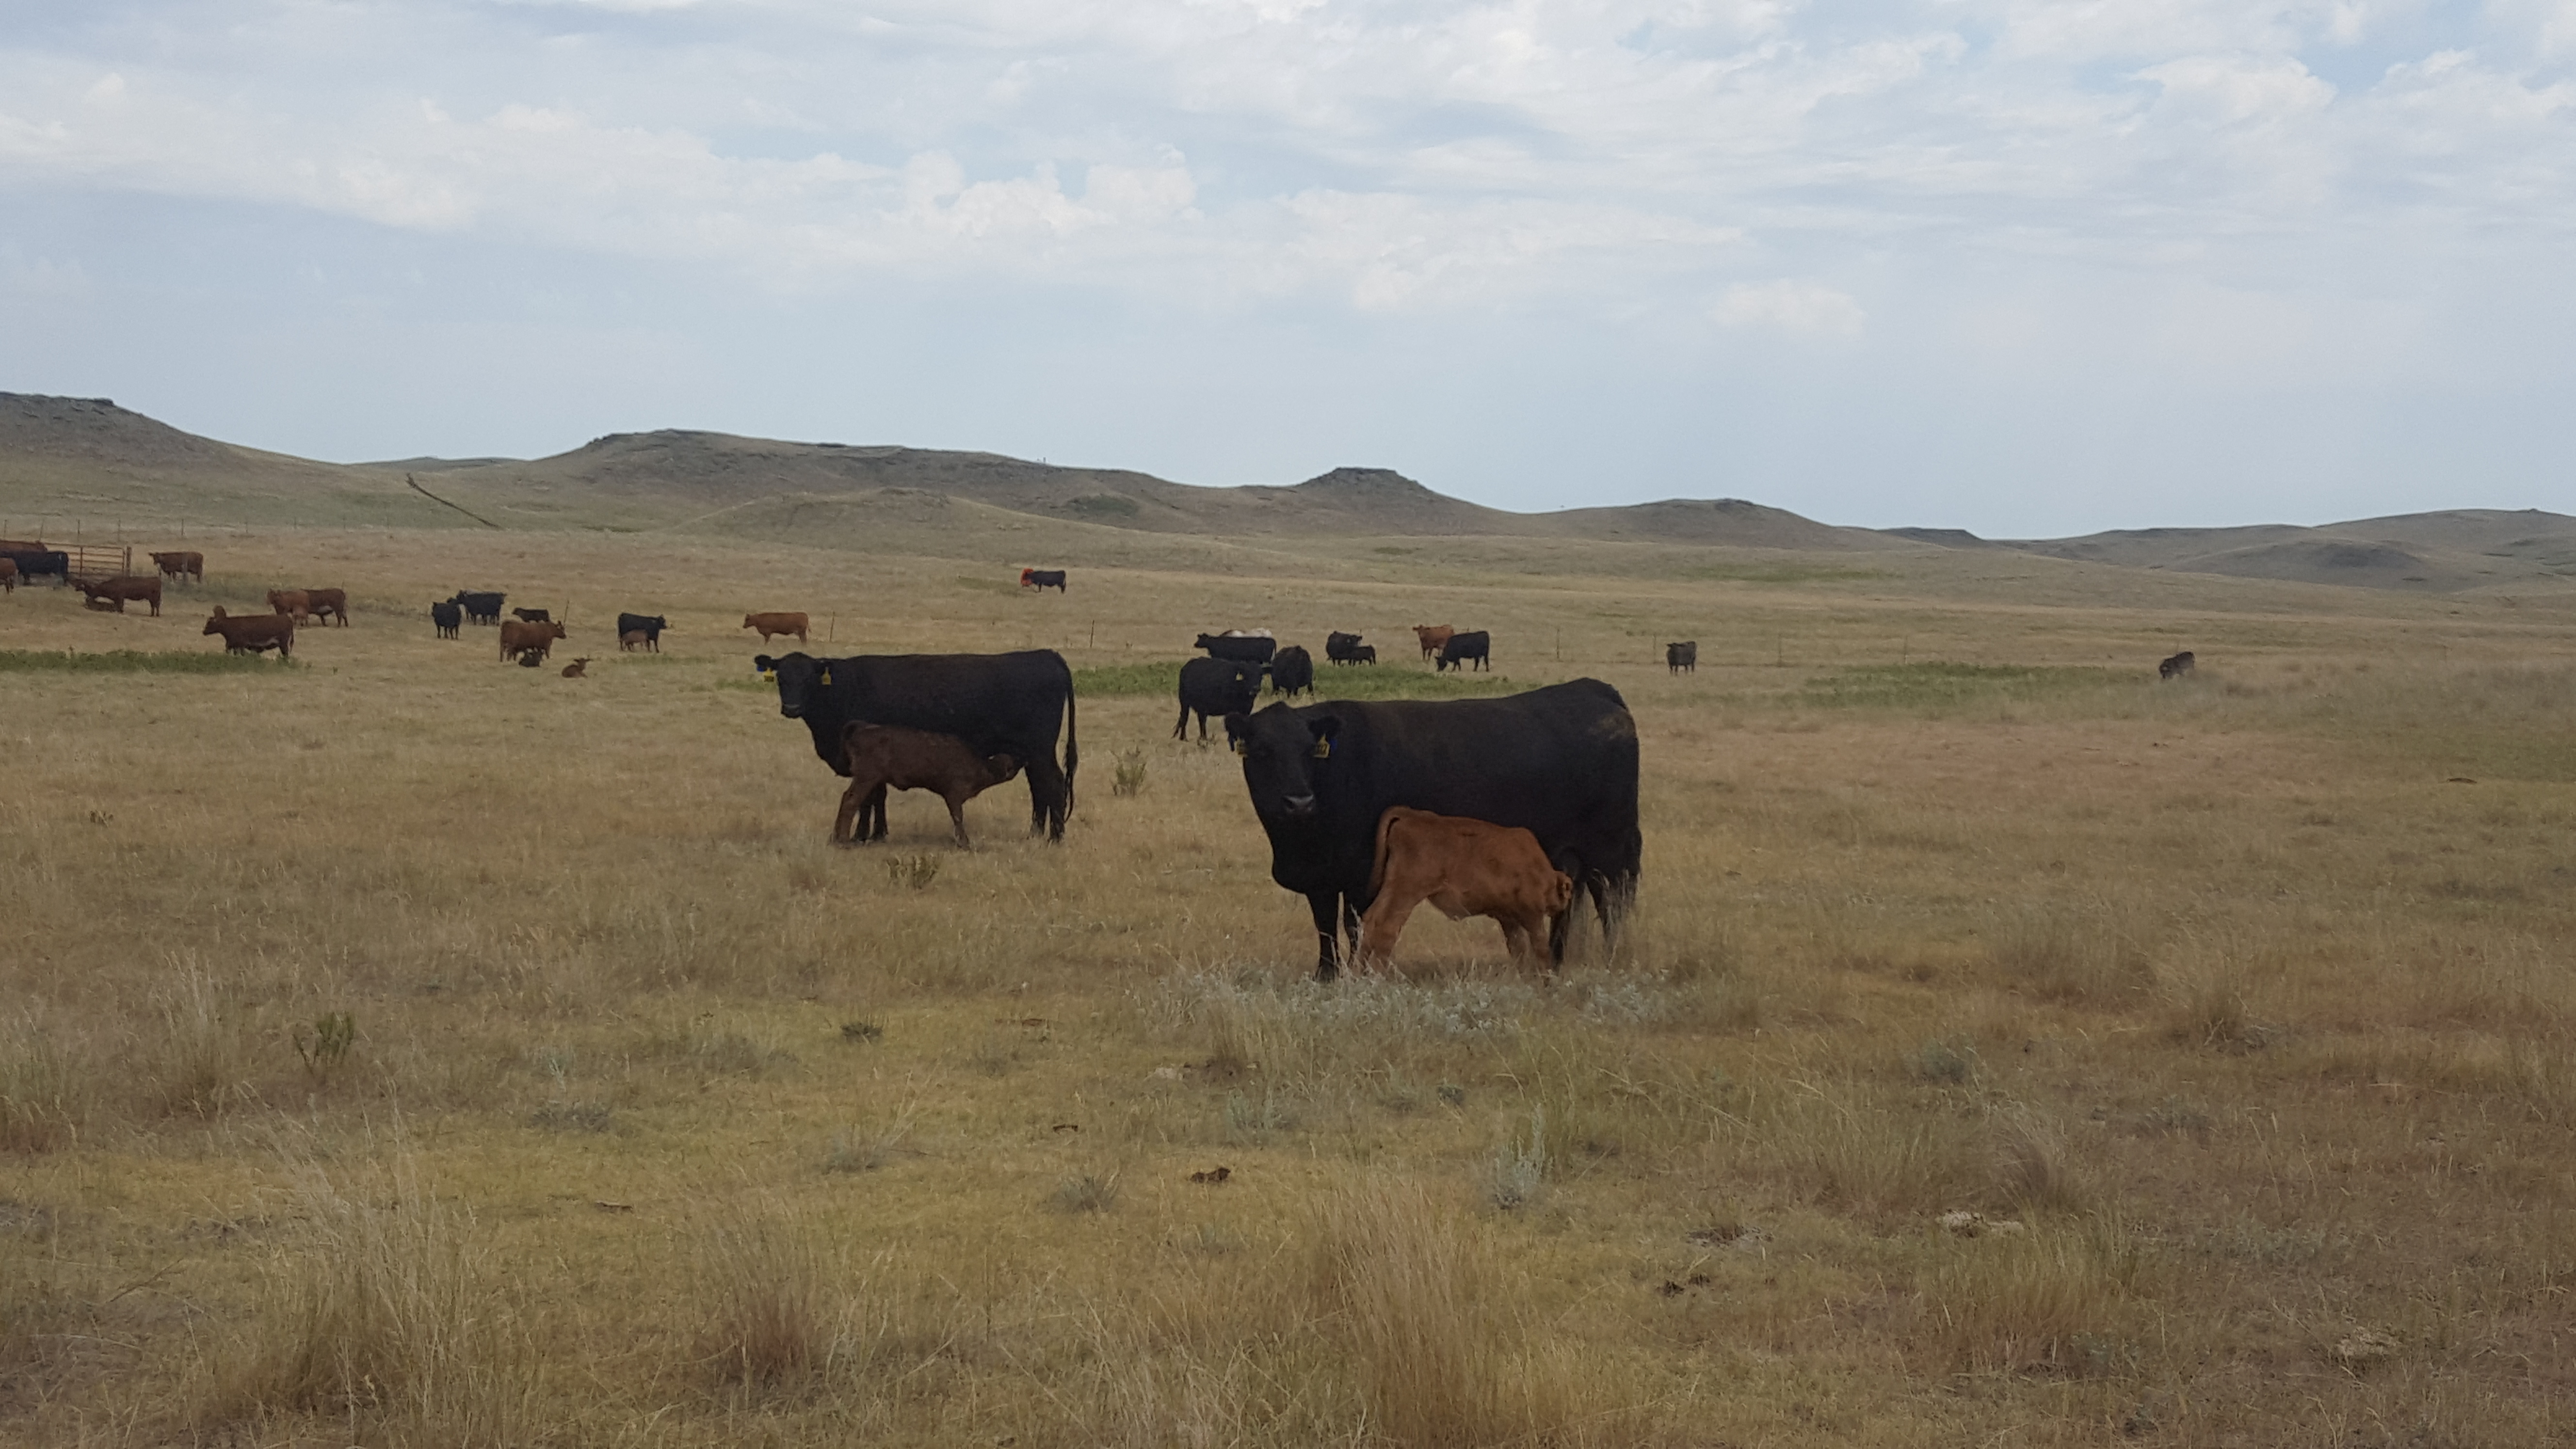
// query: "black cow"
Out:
[2176,667]
[532,616]
[1043,580]
[1560,762]
[648,625]
[481,608]
[999,704]
[1462,648]
[1217,687]
[1680,658]
[1292,670]
[447,617]
[1243,648]
[1347,649]
[35,562]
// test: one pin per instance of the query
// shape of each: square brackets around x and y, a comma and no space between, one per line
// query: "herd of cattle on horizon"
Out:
[1513,808]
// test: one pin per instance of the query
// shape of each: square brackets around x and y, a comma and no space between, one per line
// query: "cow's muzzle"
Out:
[1298,807]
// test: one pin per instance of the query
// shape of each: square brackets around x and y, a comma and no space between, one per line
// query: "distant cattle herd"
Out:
[1514,807]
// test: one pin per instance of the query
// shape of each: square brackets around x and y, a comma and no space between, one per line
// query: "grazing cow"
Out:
[632,640]
[35,563]
[177,564]
[648,625]
[293,603]
[769,624]
[1559,762]
[1239,647]
[447,616]
[117,592]
[1217,687]
[481,608]
[8,575]
[2176,667]
[999,704]
[532,616]
[1464,868]
[1345,649]
[521,638]
[331,603]
[1682,658]
[1292,671]
[1433,638]
[1463,648]
[575,669]
[1042,580]
[254,633]
[883,756]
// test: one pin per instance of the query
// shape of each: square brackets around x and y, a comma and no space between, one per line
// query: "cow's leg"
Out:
[1325,906]
[1181,726]
[1049,792]
[847,827]
[957,819]
[1380,928]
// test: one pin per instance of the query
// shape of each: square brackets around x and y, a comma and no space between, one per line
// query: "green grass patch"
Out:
[1160,678]
[1939,684]
[132,661]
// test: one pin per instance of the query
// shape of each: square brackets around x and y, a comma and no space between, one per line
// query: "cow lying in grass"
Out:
[1465,868]
[908,759]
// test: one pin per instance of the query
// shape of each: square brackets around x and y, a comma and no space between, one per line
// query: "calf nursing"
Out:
[1464,868]
[882,756]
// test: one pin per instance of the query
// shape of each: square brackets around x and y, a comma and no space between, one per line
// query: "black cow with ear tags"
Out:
[1559,762]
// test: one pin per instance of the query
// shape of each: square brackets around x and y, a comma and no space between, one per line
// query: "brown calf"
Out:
[1434,637]
[907,759]
[333,602]
[293,603]
[521,637]
[178,565]
[1465,868]
[575,669]
[627,641]
[8,576]
[117,592]
[254,633]
[769,624]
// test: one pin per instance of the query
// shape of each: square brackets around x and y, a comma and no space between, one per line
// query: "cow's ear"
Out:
[1323,728]
[1237,733]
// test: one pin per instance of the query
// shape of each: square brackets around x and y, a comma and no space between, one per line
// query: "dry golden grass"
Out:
[656,1119]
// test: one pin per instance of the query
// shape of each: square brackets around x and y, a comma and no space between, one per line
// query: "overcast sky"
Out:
[2023,266]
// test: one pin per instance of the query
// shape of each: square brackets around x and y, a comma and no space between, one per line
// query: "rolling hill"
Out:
[85,460]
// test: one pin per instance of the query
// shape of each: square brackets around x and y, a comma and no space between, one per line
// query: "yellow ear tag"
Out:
[1323,749]
[769,676]
[1241,748]
[827,677]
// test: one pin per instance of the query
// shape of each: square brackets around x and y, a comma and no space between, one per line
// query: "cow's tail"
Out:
[1072,741]
[1377,858]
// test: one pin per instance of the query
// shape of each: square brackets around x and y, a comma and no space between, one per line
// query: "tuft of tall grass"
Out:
[2086,951]
[1437,1365]
[44,1094]
[2050,1299]
[389,1312]
[765,1287]
[1853,1149]
[199,1066]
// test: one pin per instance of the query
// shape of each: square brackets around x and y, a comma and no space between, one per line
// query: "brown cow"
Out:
[8,576]
[181,565]
[117,592]
[908,759]
[334,602]
[254,633]
[769,624]
[575,669]
[1434,637]
[293,603]
[1465,868]
[521,637]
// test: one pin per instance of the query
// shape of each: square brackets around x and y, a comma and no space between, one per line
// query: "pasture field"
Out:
[399,1048]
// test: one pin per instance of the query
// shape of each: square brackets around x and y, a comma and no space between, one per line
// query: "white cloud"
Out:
[1798,308]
